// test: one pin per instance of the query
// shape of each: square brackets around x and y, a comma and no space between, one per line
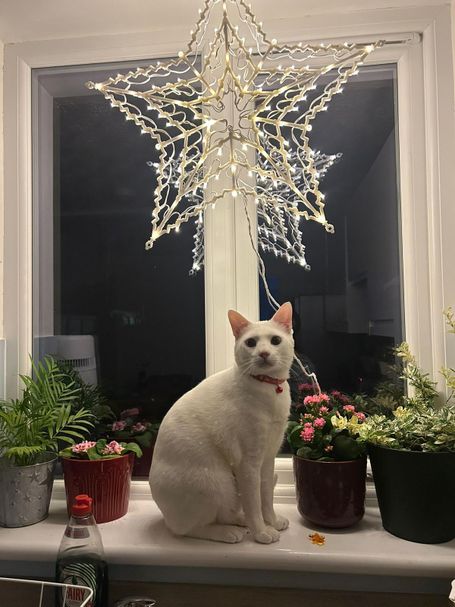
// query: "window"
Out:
[129,320]
[425,143]
[133,321]
[347,308]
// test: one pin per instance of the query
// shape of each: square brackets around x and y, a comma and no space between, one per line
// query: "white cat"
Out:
[212,473]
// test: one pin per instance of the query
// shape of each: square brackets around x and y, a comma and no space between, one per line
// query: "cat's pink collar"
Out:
[271,380]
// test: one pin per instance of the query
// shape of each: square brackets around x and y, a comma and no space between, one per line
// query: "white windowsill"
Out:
[139,547]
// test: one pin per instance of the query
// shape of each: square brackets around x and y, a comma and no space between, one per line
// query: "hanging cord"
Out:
[272,301]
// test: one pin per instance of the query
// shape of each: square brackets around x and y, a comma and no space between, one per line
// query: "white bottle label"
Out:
[76,575]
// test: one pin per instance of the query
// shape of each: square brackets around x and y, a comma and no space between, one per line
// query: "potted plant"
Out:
[329,460]
[91,398]
[412,454]
[31,430]
[132,427]
[102,470]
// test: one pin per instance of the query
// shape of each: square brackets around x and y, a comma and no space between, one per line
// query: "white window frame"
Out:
[426,178]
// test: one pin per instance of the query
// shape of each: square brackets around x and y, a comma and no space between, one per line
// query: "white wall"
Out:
[28,20]
[1,187]
[2,341]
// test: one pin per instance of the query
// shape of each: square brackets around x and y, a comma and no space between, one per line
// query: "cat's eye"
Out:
[275,340]
[250,342]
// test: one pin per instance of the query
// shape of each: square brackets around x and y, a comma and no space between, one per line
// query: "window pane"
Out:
[348,306]
[143,311]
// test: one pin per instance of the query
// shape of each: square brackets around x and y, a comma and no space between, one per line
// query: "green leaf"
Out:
[145,439]
[67,452]
[294,438]
[93,453]
[346,448]
[134,448]
[305,452]
[42,417]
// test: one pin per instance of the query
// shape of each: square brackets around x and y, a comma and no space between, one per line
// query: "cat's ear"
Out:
[283,316]
[238,323]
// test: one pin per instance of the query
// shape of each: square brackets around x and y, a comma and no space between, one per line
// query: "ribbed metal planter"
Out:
[25,491]
[107,481]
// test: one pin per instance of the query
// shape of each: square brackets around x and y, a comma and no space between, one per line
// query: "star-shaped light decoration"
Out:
[275,92]
[278,231]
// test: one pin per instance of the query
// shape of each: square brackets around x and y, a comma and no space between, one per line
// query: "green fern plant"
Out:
[42,419]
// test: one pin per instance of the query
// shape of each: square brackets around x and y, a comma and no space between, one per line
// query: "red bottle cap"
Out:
[82,505]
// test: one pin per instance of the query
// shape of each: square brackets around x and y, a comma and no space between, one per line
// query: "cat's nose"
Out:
[264,355]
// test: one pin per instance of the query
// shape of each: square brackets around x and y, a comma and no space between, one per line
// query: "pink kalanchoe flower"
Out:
[360,416]
[113,448]
[323,409]
[319,422]
[308,416]
[120,425]
[316,399]
[349,408]
[83,447]
[305,388]
[336,394]
[308,425]
[307,434]
[139,427]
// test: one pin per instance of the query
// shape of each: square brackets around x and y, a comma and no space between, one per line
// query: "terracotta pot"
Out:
[330,494]
[107,481]
[142,464]
[416,493]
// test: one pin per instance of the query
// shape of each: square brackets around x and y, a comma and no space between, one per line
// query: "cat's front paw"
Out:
[267,535]
[281,523]
[233,534]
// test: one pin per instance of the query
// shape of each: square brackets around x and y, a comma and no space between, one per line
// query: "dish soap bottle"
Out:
[80,560]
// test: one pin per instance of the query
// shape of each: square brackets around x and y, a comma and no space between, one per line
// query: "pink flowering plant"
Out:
[100,449]
[131,426]
[326,426]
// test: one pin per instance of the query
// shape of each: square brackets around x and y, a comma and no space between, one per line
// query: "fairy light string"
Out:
[278,231]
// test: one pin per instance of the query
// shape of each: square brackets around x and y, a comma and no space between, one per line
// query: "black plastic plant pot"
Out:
[416,493]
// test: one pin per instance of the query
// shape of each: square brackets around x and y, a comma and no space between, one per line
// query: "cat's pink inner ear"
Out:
[238,323]
[283,316]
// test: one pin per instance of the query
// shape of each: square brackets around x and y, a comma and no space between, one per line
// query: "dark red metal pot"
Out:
[107,481]
[330,494]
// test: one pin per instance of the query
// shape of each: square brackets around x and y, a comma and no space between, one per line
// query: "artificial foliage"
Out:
[42,418]
[418,422]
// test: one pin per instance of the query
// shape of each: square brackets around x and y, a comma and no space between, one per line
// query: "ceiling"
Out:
[26,20]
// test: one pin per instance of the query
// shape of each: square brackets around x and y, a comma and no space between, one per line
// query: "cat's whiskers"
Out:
[245,367]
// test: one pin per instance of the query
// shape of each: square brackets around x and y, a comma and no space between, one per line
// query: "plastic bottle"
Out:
[80,559]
